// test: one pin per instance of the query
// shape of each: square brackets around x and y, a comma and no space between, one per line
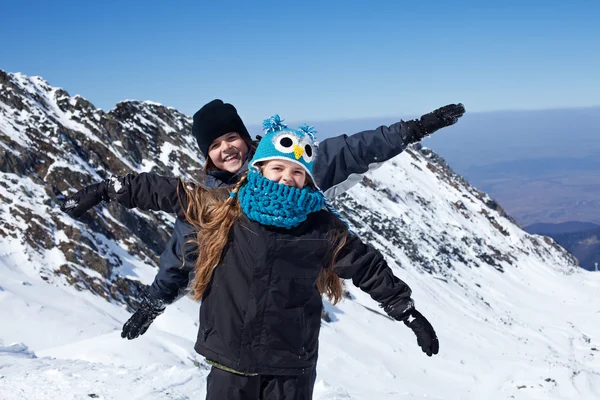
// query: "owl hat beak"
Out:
[298,152]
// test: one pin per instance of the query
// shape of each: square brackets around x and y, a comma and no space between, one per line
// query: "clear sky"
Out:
[311,60]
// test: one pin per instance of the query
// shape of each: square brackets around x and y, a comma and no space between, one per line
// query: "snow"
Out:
[74,163]
[65,118]
[8,128]
[363,354]
[194,155]
[143,120]
[125,161]
[147,165]
[153,103]
[165,153]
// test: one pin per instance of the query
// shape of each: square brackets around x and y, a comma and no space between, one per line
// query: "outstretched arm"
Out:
[145,191]
[343,159]
[369,271]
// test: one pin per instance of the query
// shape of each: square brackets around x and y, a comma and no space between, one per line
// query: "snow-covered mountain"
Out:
[52,143]
[514,313]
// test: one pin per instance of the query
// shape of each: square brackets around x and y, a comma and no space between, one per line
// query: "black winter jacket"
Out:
[339,165]
[261,312]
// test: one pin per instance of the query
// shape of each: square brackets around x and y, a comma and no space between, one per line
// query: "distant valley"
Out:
[582,239]
[543,190]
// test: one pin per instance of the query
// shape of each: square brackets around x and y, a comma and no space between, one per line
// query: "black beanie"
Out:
[215,119]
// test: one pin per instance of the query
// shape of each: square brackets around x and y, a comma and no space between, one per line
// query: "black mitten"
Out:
[426,337]
[77,204]
[440,118]
[140,321]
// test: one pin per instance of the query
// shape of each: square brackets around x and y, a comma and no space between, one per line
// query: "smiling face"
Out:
[228,152]
[285,172]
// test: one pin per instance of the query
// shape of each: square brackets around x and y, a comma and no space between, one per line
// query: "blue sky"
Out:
[311,60]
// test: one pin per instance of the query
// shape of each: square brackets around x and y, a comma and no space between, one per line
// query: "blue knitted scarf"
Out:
[271,203]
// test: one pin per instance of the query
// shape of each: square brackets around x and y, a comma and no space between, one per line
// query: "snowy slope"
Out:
[52,144]
[514,313]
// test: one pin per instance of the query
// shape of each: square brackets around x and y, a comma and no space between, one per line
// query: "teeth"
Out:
[229,157]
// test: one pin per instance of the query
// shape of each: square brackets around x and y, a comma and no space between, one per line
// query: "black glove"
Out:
[426,337]
[440,118]
[139,322]
[77,204]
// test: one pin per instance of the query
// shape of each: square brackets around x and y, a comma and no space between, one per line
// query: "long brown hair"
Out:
[213,212]
[329,283]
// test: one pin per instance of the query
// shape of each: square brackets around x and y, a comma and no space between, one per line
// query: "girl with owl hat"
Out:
[271,247]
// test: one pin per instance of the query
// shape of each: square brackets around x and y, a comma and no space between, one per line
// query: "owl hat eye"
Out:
[285,142]
[307,156]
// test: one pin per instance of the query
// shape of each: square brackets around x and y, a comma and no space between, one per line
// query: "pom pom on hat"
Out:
[273,124]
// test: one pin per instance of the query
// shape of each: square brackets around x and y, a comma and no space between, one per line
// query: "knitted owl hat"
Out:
[283,143]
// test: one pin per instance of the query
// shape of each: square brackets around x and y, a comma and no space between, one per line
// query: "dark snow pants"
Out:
[223,385]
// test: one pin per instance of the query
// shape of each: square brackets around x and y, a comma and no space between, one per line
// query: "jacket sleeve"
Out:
[369,271]
[342,160]
[176,264]
[147,191]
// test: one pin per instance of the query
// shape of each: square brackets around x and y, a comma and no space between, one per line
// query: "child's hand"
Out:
[440,118]
[77,204]
[140,321]
[426,337]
